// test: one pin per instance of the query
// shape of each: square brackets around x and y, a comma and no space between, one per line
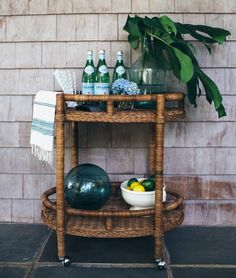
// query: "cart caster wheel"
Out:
[160,264]
[65,261]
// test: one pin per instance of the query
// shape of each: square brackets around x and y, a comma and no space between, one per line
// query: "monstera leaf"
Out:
[178,54]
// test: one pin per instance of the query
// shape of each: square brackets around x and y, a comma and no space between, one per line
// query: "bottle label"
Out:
[89,69]
[120,70]
[87,88]
[103,69]
[101,88]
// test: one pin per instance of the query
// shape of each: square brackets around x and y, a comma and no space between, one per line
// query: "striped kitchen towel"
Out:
[42,130]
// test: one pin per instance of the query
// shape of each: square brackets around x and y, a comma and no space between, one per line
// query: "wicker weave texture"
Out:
[121,227]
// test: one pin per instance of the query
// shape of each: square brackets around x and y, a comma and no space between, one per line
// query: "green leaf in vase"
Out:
[212,93]
[217,34]
[186,65]
[134,41]
[132,26]
[168,25]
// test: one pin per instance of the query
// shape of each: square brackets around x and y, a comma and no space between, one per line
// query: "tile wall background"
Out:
[37,36]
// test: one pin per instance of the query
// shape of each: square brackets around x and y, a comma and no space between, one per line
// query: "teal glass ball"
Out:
[87,186]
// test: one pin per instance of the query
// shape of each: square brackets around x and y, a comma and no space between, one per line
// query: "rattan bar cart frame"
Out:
[115,219]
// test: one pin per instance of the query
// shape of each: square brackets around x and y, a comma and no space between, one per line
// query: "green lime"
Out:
[148,184]
[131,181]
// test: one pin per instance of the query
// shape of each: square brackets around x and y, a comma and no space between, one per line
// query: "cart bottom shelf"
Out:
[122,227]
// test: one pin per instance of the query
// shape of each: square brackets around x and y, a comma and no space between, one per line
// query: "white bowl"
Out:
[139,200]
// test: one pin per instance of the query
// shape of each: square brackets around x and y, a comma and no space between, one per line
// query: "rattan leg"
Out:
[152,150]
[60,154]
[61,244]
[159,222]
[159,177]
[74,147]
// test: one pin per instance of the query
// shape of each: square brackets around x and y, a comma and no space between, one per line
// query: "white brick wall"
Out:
[8,53]
[107,27]
[37,36]
[6,79]
[15,108]
[66,27]
[59,6]
[86,27]
[32,80]
[28,55]
[140,6]
[122,6]
[158,6]
[230,81]
[31,28]
[38,6]
[2,28]
[91,6]
[188,6]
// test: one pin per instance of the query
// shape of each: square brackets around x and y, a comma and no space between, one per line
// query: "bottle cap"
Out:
[101,51]
[119,52]
[90,52]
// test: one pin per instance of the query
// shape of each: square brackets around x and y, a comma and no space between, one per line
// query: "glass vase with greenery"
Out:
[176,53]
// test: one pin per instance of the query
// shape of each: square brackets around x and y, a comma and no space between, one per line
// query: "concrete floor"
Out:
[28,250]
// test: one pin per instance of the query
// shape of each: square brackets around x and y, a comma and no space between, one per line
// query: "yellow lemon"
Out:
[139,188]
[133,184]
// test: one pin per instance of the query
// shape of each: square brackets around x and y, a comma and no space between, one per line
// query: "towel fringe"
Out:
[42,154]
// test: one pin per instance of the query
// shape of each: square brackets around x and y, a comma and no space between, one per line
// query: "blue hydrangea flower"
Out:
[125,87]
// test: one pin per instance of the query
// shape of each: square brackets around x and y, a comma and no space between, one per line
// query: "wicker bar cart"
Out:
[115,219]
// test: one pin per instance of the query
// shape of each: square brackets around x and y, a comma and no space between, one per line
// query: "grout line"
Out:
[120,265]
[81,67]
[98,40]
[101,265]
[214,266]
[124,12]
[38,254]
[167,259]
[15,264]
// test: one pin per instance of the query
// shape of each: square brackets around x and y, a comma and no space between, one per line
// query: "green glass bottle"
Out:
[88,76]
[119,71]
[102,78]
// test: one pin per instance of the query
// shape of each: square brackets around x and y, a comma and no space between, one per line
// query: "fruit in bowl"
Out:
[139,193]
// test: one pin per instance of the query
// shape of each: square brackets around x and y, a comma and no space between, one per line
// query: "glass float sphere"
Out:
[87,186]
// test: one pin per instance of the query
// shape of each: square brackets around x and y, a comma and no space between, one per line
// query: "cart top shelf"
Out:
[112,115]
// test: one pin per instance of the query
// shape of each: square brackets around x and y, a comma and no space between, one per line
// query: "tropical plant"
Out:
[177,54]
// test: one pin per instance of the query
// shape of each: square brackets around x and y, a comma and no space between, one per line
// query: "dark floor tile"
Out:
[100,250]
[204,273]
[12,272]
[87,272]
[19,242]
[202,245]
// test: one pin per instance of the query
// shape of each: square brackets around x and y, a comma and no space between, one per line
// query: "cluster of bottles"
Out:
[97,81]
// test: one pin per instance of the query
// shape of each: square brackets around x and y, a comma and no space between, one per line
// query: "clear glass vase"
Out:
[148,73]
